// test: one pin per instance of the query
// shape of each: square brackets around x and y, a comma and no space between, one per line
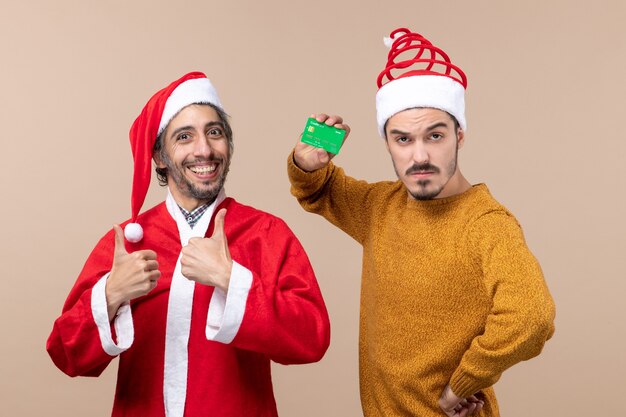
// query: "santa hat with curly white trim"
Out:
[192,88]
[426,78]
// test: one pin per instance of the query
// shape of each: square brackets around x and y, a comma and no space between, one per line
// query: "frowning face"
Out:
[423,144]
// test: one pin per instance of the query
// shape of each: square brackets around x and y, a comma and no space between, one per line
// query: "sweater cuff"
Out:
[304,180]
[464,385]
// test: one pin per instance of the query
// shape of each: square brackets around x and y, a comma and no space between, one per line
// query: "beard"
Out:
[427,190]
[208,190]
[423,193]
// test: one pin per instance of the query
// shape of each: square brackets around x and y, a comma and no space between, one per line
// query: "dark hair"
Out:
[457,126]
[159,149]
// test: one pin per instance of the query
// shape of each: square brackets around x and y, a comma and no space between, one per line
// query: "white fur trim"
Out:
[179,314]
[194,91]
[435,91]
[388,40]
[133,232]
[123,321]
[226,310]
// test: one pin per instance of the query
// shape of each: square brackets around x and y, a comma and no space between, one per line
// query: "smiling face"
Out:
[423,144]
[196,155]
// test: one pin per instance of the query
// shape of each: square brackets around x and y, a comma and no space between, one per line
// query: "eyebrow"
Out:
[215,123]
[428,129]
[180,129]
[436,125]
[398,132]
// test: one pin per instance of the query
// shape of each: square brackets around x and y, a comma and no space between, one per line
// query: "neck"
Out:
[458,184]
[190,208]
[187,202]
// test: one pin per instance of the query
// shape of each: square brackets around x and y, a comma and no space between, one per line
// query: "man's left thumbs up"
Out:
[207,260]
[218,228]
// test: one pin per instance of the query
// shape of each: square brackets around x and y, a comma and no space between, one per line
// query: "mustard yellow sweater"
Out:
[450,292]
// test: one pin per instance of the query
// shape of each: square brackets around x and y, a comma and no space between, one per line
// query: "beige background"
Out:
[545,115]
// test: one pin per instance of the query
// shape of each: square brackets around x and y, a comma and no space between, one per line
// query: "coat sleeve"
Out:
[284,314]
[82,339]
[340,199]
[522,315]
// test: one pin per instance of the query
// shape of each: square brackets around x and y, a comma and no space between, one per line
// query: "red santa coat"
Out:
[185,348]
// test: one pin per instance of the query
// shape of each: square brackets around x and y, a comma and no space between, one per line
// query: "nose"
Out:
[202,148]
[420,153]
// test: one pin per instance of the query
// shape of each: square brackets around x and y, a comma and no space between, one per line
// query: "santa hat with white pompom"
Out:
[192,88]
[424,77]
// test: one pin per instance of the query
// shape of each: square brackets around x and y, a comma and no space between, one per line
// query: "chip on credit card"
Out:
[323,136]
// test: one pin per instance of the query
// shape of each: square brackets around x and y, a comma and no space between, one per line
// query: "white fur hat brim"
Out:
[432,91]
[194,91]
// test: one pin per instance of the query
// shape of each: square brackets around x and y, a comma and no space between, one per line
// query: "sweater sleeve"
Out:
[522,315]
[340,199]
[285,316]
[75,344]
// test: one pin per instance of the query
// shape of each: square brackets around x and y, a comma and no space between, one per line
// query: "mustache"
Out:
[416,168]
[201,160]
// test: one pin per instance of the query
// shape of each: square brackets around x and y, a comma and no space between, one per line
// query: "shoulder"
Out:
[244,211]
[496,228]
[244,216]
[495,223]
[487,219]
[155,214]
[257,231]
[484,210]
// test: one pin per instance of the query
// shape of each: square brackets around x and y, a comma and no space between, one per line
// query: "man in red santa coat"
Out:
[204,292]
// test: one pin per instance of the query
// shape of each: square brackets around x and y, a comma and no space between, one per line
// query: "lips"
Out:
[203,169]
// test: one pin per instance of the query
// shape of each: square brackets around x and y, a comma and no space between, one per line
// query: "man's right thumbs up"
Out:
[132,275]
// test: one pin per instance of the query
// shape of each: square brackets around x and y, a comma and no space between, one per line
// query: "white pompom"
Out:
[133,232]
[388,41]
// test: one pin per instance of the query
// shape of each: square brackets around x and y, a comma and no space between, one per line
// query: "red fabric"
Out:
[143,134]
[285,320]
[414,52]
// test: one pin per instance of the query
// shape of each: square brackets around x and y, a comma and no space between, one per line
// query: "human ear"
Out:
[156,157]
[460,135]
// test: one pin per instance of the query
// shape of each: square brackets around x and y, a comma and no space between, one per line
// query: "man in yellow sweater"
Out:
[451,296]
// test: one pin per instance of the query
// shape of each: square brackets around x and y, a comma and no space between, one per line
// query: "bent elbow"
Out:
[321,347]
[540,325]
[317,345]
[70,362]
[307,348]
[543,320]
[60,360]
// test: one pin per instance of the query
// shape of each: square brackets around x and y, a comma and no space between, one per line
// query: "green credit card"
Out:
[323,136]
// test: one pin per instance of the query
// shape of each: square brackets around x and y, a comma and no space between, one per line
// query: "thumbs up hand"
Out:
[132,275]
[207,260]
